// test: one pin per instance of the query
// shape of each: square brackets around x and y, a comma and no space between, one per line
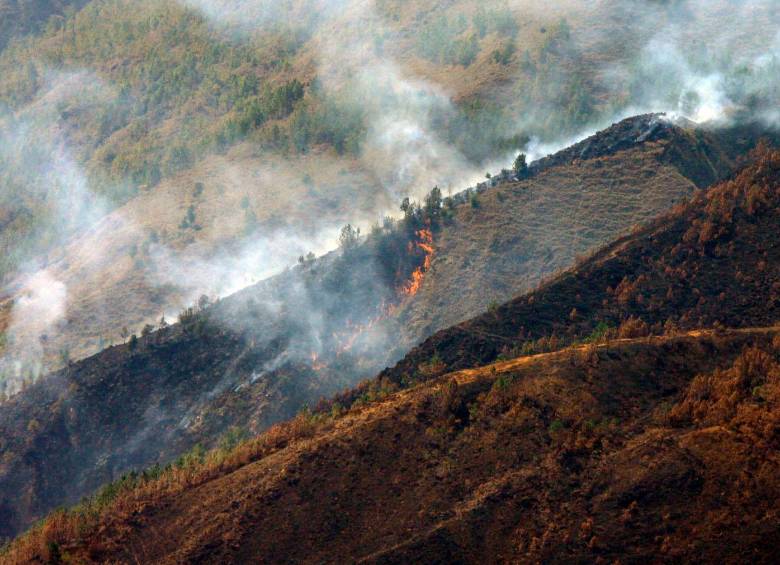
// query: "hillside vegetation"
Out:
[320,328]
[572,360]
[619,446]
[134,127]
[167,88]
[19,17]
[643,449]
[508,239]
[713,260]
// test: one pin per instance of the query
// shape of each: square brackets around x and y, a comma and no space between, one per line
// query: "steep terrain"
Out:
[143,100]
[19,17]
[713,260]
[258,357]
[661,449]
[623,447]
[522,232]
[138,263]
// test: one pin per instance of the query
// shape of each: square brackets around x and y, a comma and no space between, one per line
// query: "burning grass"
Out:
[425,244]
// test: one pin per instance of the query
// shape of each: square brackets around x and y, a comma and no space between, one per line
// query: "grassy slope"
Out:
[519,234]
[524,232]
[165,110]
[157,104]
[619,451]
[114,278]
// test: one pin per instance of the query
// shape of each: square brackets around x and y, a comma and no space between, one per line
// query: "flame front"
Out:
[425,243]
[346,339]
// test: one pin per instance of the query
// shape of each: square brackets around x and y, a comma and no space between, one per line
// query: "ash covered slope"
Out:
[258,357]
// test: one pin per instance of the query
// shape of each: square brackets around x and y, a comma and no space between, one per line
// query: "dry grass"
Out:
[133,492]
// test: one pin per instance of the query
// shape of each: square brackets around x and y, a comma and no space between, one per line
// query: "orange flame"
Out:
[413,285]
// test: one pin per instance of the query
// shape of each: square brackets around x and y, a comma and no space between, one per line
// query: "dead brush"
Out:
[64,526]
[738,393]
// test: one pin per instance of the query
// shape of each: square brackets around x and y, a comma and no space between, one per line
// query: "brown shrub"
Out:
[735,397]
[633,328]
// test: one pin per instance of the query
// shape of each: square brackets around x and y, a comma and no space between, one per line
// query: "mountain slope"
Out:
[620,451]
[19,17]
[313,331]
[575,201]
[147,95]
[713,260]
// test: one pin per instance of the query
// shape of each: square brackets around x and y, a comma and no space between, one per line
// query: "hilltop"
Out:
[709,261]
[258,357]
[515,234]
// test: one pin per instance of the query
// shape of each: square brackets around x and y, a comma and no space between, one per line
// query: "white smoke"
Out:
[41,172]
[197,271]
[41,305]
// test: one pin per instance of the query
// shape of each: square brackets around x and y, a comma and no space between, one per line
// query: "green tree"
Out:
[432,207]
[521,166]
[349,238]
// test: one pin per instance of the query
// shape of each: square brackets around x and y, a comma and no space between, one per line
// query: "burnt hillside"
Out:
[251,360]
[258,357]
[647,450]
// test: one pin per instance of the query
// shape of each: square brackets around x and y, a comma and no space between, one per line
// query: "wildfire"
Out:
[425,243]
[354,332]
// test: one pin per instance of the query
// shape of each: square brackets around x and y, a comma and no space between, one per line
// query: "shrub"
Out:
[602,332]
[556,426]
[633,328]
[433,368]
